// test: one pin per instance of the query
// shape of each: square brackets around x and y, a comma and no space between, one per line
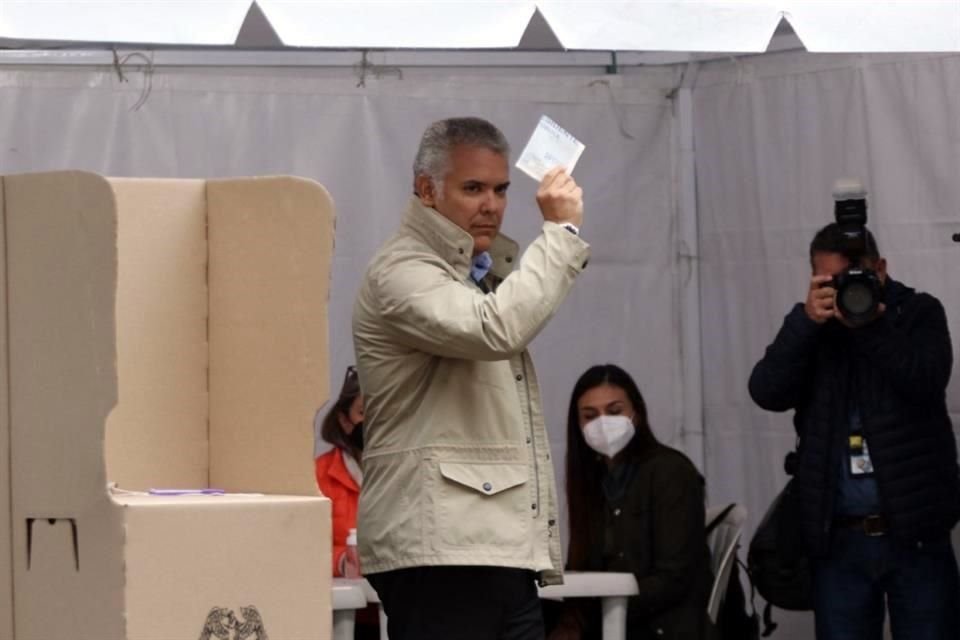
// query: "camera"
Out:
[859,290]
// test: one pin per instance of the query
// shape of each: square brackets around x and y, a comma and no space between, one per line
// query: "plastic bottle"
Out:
[351,565]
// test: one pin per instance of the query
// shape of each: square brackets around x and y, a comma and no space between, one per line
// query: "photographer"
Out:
[866,372]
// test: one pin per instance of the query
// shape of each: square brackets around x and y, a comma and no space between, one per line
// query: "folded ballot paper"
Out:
[550,146]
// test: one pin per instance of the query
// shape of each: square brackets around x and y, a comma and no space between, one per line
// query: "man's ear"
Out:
[425,188]
[881,269]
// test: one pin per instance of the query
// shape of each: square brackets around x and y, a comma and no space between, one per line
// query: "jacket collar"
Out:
[453,244]
[341,472]
[895,293]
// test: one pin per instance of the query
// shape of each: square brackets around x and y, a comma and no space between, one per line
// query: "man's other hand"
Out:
[559,198]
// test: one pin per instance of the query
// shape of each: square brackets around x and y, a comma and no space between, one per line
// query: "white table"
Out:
[613,589]
[347,597]
[369,595]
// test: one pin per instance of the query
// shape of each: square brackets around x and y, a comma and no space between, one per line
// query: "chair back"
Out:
[722,540]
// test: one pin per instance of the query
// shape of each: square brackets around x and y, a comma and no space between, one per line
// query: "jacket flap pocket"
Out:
[488,479]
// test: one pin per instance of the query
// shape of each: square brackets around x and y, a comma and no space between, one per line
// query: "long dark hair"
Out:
[331,429]
[585,467]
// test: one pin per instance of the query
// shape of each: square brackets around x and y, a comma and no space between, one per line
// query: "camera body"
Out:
[859,289]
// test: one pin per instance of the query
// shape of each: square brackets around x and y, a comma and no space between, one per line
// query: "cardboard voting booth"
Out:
[162,334]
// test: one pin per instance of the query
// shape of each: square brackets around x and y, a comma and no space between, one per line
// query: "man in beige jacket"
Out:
[458,513]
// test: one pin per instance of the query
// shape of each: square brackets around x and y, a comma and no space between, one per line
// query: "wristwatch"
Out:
[572,228]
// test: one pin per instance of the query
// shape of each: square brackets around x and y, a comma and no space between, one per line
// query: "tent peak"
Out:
[539,35]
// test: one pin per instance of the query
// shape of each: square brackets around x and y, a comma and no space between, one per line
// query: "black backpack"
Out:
[733,620]
[777,563]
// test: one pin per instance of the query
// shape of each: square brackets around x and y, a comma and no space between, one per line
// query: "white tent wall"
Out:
[772,134]
[359,142]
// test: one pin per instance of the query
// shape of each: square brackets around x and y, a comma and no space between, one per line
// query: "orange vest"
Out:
[336,483]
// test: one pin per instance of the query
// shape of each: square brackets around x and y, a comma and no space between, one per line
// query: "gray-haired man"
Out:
[458,511]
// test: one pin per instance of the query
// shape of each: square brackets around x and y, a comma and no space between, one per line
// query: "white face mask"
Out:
[608,435]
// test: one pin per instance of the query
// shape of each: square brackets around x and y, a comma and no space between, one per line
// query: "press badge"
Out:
[860,463]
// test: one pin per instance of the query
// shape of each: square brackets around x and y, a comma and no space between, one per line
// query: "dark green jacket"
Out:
[655,530]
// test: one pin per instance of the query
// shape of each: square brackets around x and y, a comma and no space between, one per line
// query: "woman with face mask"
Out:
[635,506]
[338,471]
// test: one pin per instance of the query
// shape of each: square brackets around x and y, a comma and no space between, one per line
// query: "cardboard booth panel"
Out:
[61,267]
[6,570]
[61,282]
[157,434]
[271,246]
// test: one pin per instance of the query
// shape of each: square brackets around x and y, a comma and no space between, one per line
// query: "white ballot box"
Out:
[162,334]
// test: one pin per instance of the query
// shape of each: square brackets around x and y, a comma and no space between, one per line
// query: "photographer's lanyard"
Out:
[858,453]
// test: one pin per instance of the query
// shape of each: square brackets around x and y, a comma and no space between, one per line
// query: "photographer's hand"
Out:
[821,300]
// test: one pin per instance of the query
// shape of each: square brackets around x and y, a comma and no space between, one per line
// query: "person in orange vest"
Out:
[338,471]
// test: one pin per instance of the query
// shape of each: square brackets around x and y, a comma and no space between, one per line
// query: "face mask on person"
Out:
[356,436]
[608,435]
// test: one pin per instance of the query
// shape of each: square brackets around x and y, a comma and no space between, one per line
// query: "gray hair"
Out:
[433,155]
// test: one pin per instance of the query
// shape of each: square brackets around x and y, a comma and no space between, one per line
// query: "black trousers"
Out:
[460,603]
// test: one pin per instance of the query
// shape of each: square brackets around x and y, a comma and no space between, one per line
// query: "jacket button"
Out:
[528,440]
[616,512]
[550,523]
[519,377]
[509,259]
[487,486]
[534,506]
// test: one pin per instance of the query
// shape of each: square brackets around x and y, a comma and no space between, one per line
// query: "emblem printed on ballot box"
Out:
[223,624]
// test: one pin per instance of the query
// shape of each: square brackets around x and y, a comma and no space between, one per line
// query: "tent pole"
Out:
[692,438]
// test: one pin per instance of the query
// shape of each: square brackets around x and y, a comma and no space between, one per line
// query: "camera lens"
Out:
[856,299]
[858,295]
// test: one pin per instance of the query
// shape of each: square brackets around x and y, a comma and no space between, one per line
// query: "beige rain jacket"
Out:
[457,467]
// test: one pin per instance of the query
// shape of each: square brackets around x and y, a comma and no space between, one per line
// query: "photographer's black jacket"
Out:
[896,368]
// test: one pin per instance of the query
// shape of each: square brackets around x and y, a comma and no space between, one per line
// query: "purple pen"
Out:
[186,492]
